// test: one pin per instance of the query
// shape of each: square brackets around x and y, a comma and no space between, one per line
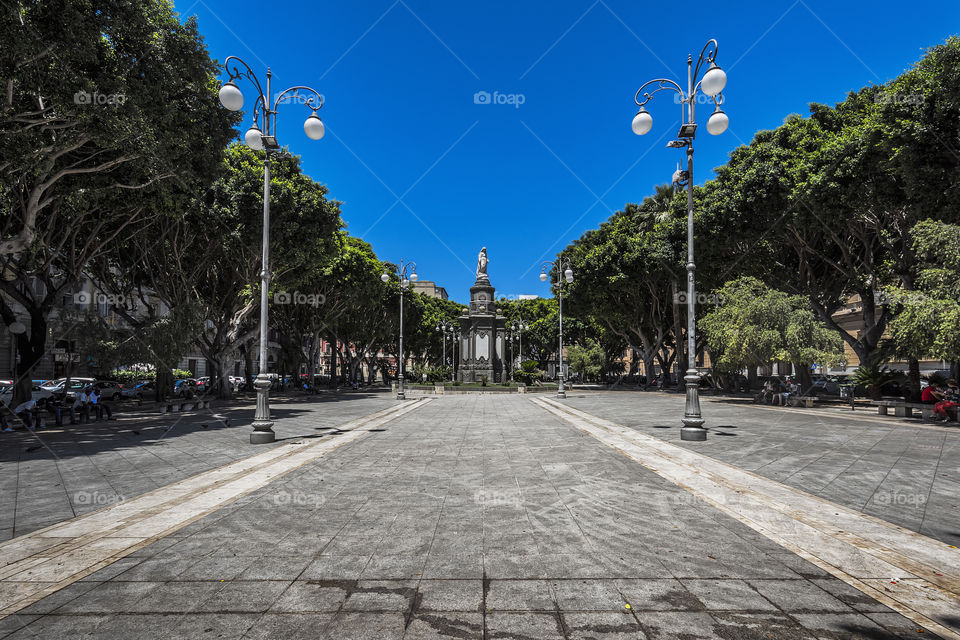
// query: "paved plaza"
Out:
[483,516]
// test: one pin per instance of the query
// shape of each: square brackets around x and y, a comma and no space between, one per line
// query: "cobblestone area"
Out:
[55,474]
[473,517]
[905,473]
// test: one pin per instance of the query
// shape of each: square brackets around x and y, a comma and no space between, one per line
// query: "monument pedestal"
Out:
[483,337]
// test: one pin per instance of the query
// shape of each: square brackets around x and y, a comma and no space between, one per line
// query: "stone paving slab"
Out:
[918,576]
[45,561]
[900,471]
[55,474]
[474,517]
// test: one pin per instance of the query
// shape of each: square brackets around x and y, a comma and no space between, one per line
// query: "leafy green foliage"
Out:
[586,360]
[528,372]
[754,325]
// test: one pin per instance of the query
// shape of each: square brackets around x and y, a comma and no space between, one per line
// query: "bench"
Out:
[181,406]
[806,401]
[904,409]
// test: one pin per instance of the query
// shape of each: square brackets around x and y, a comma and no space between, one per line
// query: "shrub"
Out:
[528,373]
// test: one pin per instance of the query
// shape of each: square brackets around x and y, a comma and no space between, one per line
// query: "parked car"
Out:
[36,391]
[59,389]
[109,389]
[825,386]
[137,390]
[185,388]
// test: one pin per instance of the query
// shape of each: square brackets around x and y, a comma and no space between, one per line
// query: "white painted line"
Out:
[861,550]
[44,561]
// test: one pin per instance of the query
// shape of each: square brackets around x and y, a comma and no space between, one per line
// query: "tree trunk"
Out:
[648,369]
[247,367]
[222,389]
[751,377]
[679,343]
[803,372]
[163,386]
[30,347]
[914,385]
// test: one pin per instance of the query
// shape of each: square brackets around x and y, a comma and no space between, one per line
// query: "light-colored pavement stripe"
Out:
[911,573]
[42,562]
[825,412]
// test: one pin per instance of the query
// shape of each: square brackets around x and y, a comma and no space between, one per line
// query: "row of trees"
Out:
[118,168]
[855,202]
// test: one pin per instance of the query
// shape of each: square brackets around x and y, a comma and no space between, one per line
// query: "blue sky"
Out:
[426,173]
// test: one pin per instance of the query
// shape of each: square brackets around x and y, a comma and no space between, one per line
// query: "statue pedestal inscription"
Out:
[483,341]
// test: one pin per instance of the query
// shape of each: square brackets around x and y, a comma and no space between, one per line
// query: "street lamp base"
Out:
[561,394]
[401,396]
[692,419]
[263,437]
[697,434]
[262,424]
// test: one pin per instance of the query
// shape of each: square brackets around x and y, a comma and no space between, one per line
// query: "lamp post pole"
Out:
[516,327]
[712,84]
[447,328]
[562,274]
[457,349]
[405,280]
[258,138]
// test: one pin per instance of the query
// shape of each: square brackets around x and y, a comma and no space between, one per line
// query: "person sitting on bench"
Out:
[98,405]
[80,406]
[29,412]
[931,395]
[946,408]
[55,407]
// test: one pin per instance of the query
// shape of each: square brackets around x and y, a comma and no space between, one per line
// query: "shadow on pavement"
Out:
[138,429]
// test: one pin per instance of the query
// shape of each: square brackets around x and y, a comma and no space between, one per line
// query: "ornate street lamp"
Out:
[405,280]
[562,274]
[712,84]
[263,137]
[517,327]
[448,328]
[456,346]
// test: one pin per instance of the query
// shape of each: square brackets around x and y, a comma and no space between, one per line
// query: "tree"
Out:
[627,275]
[586,360]
[755,325]
[927,321]
[110,116]
[228,218]
[346,290]
[541,315]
